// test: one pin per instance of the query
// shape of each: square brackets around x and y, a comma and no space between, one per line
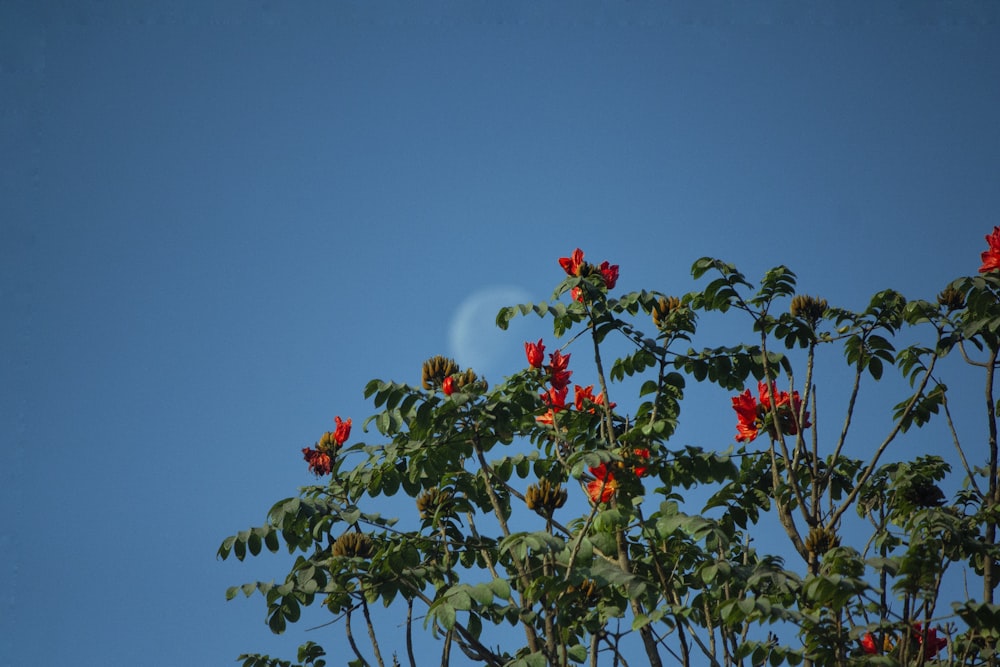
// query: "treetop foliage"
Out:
[554,523]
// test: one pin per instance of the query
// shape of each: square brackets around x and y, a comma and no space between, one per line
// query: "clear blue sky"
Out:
[219,222]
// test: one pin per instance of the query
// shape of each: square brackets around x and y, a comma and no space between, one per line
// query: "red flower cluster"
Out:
[559,375]
[555,397]
[991,257]
[604,485]
[320,460]
[934,643]
[585,395]
[753,415]
[575,266]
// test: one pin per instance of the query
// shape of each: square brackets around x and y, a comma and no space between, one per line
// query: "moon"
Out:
[476,342]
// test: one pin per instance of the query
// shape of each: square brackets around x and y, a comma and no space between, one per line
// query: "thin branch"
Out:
[371,632]
[870,469]
[958,445]
[525,581]
[350,639]
[409,632]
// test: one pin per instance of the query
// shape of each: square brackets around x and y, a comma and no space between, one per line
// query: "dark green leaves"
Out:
[249,540]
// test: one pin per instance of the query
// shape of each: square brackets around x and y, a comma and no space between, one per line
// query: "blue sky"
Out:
[219,223]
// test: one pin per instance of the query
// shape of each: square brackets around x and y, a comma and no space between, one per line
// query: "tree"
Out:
[567,515]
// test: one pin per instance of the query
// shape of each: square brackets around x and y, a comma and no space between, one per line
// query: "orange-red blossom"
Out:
[934,643]
[320,460]
[752,415]
[991,257]
[535,353]
[604,485]
[575,266]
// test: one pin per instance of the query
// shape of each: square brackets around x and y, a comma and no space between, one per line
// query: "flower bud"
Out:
[586,595]
[434,501]
[353,545]
[327,443]
[951,299]
[808,308]
[924,493]
[663,308]
[545,498]
[820,540]
[467,379]
[435,370]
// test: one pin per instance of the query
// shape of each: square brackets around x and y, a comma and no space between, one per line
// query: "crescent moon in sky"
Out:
[476,342]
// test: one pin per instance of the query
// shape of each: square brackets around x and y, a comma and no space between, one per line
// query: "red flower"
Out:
[584,395]
[868,643]
[599,400]
[548,418]
[555,398]
[752,416]
[448,386]
[581,394]
[610,274]
[319,462]
[603,488]
[991,257]
[746,417]
[535,353]
[342,432]
[787,407]
[577,294]
[572,264]
[559,376]
[934,643]
[642,454]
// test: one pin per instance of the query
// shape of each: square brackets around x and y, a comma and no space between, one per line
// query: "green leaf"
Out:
[276,621]
[577,653]
[482,593]
[501,588]
[445,615]
[240,547]
[474,625]
[459,599]
[530,660]
[350,514]
[225,547]
[254,543]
